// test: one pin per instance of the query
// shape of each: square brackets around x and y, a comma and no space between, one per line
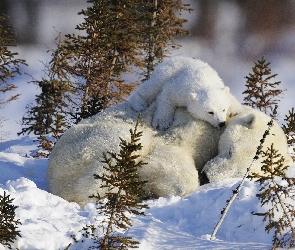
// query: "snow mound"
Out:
[47,220]
[176,222]
[16,162]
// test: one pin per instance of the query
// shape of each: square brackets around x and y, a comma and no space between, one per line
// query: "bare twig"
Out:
[238,188]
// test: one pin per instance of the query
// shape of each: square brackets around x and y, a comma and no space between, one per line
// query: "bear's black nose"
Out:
[221,124]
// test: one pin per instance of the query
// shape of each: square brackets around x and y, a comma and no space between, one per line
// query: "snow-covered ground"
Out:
[49,221]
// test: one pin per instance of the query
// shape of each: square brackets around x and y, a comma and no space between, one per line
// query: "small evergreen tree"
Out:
[116,38]
[9,65]
[289,129]
[8,224]
[277,190]
[48,117]
[261,93]
[104,52]
[124,195]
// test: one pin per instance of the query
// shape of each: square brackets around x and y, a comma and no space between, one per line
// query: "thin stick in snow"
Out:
[238,188]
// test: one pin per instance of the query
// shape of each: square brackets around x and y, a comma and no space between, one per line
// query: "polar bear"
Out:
[173,156]
[238,145]
[185,82]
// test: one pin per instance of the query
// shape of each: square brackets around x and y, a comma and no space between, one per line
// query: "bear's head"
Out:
[238,146]
[210,105]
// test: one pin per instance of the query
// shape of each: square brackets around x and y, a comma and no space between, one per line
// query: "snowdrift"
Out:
[176,222]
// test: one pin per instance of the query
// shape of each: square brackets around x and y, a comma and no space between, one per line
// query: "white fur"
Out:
[185,82]
[173,156]
[238,145]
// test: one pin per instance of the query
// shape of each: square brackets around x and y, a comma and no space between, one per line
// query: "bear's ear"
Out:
[192,96]
[250,121]
[226,89]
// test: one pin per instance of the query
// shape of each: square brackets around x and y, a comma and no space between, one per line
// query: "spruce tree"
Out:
[9,65]
[276,191]
[124,193]
[48,117]
[84,76]
[8,224]
[106,49]
[116,38]
[289,129]
[261,93]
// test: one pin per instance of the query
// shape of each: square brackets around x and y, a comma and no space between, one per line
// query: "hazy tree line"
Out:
[263,20]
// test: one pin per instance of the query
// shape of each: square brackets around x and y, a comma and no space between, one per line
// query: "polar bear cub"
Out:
[185,82]
[238,145]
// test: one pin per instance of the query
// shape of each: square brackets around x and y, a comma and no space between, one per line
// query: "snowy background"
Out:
[171,223]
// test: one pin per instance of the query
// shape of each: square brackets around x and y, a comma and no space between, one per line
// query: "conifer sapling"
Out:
[105,51]
[277,195]
[261,93]
[8,224]
[48,116]
[9,66]
[124,194]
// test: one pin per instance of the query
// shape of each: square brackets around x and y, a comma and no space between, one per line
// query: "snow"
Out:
[175,222]
[49,221]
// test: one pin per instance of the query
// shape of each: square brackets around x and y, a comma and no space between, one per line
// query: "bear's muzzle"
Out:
[221,124]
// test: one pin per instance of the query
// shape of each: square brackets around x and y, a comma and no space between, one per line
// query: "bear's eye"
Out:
[223,110]
[211,113]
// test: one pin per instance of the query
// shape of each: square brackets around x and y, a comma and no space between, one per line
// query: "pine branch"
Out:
[289,129]
[10,66]
[48,117]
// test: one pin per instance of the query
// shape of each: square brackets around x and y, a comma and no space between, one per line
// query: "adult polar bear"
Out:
[174,156]
[185,82]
